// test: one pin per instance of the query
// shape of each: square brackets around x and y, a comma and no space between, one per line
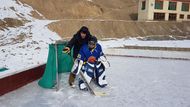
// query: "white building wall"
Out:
[150,7]
[178,10]
[148,13]
[142,14]
[182,12]
[165,8]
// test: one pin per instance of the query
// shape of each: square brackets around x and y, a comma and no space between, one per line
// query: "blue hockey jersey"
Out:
[85,52]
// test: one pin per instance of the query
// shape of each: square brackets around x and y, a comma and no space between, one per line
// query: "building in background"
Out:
[172,10]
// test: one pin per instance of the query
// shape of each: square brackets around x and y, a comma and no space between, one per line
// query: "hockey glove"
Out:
[66,50]
[104,61]
[77,66]
[92,59]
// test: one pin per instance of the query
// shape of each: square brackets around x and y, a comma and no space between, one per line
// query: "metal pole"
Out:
[57,74]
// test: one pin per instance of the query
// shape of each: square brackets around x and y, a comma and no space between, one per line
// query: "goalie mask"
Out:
[92,42]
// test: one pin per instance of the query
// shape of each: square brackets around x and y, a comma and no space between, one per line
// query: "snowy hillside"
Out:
[24,46]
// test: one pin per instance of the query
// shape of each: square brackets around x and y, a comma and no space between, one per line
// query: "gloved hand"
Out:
[66,50]
[92,59]
[104,61]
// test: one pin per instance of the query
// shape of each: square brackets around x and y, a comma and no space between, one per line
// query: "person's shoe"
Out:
[73,86]
[72,79]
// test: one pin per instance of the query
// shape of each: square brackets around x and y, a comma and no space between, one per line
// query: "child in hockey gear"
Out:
[88,62]
[80,38]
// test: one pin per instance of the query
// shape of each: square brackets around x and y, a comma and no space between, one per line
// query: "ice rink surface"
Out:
[133,82]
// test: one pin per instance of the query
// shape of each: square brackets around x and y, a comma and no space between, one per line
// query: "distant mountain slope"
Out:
[105,18]
[98,9]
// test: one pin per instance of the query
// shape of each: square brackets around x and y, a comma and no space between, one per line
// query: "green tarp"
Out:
[65,63]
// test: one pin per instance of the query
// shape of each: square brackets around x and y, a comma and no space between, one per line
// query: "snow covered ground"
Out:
[180,55]
[32,51]
[133,82]
[114,42]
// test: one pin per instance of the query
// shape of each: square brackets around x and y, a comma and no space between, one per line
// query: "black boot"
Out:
[72,79]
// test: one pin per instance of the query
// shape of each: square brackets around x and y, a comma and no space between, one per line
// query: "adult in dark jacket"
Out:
[80,38]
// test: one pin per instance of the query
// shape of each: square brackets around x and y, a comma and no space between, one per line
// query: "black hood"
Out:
[85,30]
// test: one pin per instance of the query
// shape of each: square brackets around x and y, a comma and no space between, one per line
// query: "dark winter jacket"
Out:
[77,41]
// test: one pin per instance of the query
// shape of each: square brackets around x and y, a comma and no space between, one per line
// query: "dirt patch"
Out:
[17,39]
[75,9]
[59,9]
[36,15]
[10,22]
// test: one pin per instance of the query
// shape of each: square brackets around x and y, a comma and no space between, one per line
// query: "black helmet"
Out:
[93,39]
[92,42]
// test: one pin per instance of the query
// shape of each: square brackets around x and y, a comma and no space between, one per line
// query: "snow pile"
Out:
[113,42]
[110,47]
[27,45]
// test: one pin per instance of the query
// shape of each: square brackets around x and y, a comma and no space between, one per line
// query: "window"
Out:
[185,7]
[172,16]
[188,16]
[181,16]
[172,6]
[143,5]
[158,4]
[159,16]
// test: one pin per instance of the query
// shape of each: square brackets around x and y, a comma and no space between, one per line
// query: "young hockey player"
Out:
[92,62]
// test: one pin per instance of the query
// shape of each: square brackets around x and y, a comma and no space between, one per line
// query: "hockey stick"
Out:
[89,87]
[84,79]
[86,83]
